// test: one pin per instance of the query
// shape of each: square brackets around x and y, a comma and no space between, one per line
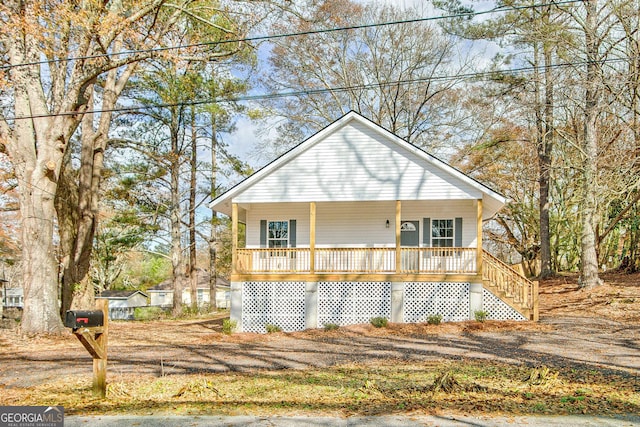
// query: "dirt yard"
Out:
[599,328]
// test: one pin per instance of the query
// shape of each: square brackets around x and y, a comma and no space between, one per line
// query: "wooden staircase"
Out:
[510,286]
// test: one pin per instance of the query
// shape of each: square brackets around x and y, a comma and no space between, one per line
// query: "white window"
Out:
[278,234]
[442,233]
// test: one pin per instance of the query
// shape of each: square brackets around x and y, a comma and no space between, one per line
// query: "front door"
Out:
[410,233]
[410,237]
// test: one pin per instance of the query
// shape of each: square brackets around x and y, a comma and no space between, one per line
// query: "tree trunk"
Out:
[213,276]
[589,257]
[76,223]
[544,158]
[177,258]
[193,273]
[37,148]
[40,269]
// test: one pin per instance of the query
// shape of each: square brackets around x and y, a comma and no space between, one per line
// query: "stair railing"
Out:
[521,292]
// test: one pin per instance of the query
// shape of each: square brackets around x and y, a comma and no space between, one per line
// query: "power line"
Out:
[311,92]
[295,34]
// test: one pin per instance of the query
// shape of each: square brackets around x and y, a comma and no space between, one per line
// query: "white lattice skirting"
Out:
[424,299]
[350,303]
[497,309]
[294,306]
[275,303]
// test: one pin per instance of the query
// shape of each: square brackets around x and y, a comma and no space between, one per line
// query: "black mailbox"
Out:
[84,319]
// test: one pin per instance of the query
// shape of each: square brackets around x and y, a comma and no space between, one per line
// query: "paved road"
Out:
[390,421]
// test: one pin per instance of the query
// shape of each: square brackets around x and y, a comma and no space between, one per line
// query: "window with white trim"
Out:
[278,234]
[442,233]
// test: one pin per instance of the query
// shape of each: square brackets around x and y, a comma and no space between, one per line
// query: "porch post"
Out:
[398,219]
[234,237]
[312,237]
[479,239]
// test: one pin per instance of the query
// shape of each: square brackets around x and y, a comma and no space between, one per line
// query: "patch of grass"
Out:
[480,315]
[272,328]
[331,326]
[148,313]
[229,326]
[377,388]
[434,319]
[379,322]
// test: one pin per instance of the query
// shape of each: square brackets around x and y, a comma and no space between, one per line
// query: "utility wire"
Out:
[311,92]
[295,34]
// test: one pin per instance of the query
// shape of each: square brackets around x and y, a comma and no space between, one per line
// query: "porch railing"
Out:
[357,260]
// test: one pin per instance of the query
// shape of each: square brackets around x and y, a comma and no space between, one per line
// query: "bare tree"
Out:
[390,74]
[46,105]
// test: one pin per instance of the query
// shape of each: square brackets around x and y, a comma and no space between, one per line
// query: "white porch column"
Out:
[398,240]
[312,237]
[397,302]
[479,239]
[311,305]
[236,305]
[234,237]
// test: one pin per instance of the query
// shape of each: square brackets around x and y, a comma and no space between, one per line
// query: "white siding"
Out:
[278,212]
[356,163]
[445,209]
[359,224]
[137,300]
[161,298]
[355,224]
[118,303]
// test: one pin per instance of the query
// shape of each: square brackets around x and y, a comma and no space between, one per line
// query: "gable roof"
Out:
[202,283]
[120,294]
[365,131]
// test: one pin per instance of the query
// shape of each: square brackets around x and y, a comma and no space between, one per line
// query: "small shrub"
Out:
[434,319]
[148,313]
[480,315]
[379,322]
[272,328]
[331,327]
[229,326]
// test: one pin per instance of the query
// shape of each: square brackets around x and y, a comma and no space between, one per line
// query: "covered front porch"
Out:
[401,260]
[364,238]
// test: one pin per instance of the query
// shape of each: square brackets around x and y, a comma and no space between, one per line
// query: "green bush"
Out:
[480,315]
[148,313]
[331,326]
[379,322]
[229,326]
[434,319]
[272,328]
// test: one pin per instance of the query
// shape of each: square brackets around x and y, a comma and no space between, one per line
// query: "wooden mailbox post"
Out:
[91,329]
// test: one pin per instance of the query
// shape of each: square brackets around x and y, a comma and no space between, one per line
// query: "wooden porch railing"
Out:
[513,288]
[272,260]
[357,260]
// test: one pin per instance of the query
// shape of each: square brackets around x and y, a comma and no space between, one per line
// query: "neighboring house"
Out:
[122,304]
[12,296]
[162,294]
[3,283]
[356,223]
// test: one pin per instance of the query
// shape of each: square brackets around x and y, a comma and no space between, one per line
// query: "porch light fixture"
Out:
[387,224]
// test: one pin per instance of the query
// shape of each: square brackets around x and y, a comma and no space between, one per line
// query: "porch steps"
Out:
[510,286]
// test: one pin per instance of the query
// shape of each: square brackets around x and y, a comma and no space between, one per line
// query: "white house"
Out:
[122,304]
[12,296]
[162,294]
[355,223]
